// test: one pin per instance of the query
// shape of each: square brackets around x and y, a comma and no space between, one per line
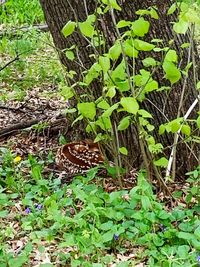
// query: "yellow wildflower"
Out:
[17,159]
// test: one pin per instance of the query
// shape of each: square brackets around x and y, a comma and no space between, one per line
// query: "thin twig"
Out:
[171,158]
[10,62]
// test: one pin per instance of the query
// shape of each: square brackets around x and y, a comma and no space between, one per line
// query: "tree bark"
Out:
[59,12]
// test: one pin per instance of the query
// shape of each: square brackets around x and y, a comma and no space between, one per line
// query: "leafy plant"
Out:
[126,88]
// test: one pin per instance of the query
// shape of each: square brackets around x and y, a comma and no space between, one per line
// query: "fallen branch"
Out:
[14,59]
[15,31]
[10,62]
[12,109]
[26,124]
[18,126]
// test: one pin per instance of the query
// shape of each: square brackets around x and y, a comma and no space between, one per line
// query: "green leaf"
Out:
[186,236]
[104,62]
[69,28]
[171,56]
[181,26]
[36,172]
[70,55]
[172,72]
[87,110]
[175,126]
[123,23]
[162,162]
[196,244]
[144,113]
[153,13]
[112,3]
[143,46]
[123,150]
[91,127]
[130,104]
[123,86]
[115,51]
[156,148]
[108,236]
[106,226]
[67,92]
[197,232]
[93,73]
[103,104]
[119,73]
[185,129]
[146,203]
[110,110]
[3,213]
[70,110]
[86,28]
[111,92]
[104,123]
[149,61]
[172,9]
[129,49]
[198,122]
[140,27]
[69,240]
[198,85]
[124,123]
[185,45]
[18,261]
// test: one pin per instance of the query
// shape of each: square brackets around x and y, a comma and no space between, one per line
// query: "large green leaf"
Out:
[130,104]
[93,73]
[123,150]
[142,45]
[181,26]
[67,92]
[104,62]
[119,72]
[112,3]
[110,110]
[171,56]
[172,73]
[115,51]
[87,110]
[162,162]
[86,28]
[140,27]
[69,28]
[129,49]
[124,123]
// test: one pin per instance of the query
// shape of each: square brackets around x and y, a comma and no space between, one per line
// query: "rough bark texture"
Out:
[58,12]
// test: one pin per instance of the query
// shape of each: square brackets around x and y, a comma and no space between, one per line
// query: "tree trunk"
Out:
[59,12]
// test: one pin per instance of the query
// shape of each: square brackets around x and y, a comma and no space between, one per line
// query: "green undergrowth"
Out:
[28,59]
[37,64]
[89,226]
[21,12]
